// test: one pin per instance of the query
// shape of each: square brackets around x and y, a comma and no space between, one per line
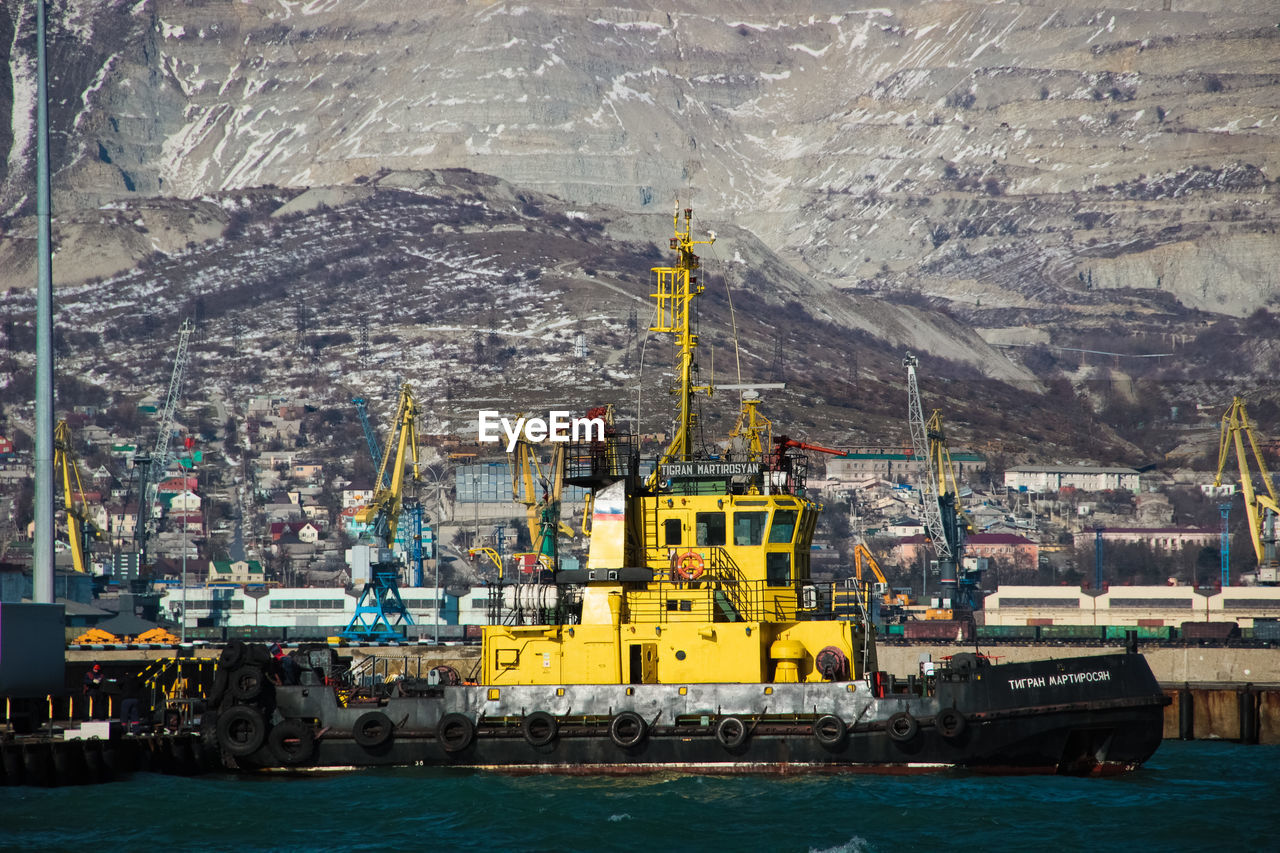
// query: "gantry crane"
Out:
[380,610]
[79,528]
[1260,510]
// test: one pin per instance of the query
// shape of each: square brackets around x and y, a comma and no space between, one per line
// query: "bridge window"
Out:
[784,526]
[671,531]
[710,526]
[748,527]
[777,569]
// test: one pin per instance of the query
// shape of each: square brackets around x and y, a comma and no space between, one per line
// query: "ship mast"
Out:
[677,287]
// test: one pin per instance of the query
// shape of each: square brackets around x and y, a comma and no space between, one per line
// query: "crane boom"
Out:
[383,509]
[64,460]
[1260,510]
[370,437]
[160,454]
[929,498]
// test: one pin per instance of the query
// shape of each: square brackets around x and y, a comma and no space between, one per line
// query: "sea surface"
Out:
[1206,795]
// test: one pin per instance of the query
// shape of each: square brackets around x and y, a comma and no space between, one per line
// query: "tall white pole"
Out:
[42,554]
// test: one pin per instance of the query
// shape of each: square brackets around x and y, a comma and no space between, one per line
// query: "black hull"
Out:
[1096,715]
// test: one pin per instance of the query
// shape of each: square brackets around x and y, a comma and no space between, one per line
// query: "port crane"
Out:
[380,610]
[151,468]
[80,530]
[944,527]
[542,513]
[1260,510]
[412,506]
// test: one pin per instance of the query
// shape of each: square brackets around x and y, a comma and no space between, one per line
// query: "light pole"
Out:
[437,483]
[185,504]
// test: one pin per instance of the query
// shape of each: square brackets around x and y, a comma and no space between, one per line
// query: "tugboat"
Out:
[695,640]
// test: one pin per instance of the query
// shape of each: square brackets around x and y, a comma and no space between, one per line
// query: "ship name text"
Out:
[1059,680]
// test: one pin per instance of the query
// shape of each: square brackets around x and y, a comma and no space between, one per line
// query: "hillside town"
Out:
[264,495]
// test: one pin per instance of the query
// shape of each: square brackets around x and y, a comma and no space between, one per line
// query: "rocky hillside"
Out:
[1058,178]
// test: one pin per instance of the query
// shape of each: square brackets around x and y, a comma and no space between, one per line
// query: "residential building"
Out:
[1051,478]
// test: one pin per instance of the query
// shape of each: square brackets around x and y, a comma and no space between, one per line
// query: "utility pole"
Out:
[1097,558]
[1225,548]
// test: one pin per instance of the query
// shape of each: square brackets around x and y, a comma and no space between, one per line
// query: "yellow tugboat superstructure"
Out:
[698,572]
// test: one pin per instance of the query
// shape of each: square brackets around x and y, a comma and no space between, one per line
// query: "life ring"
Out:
[372,729]
[951,722]
[455,732]
[690,566]
[902,726]
[539,728]
[829,730]
[731,732]
[627,729]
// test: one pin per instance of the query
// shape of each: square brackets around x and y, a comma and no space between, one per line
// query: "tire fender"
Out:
[628,729]
[539,728]
[902,727]
[731,732]
[372,729]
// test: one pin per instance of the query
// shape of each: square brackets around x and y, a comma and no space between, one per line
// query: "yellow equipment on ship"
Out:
[697,572]
[1260,510]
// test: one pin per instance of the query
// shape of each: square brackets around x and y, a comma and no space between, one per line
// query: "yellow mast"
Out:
[677,287]
[755,430]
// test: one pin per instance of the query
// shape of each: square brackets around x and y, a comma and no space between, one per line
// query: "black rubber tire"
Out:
[539,728]
[246,683]
[232,654]
[829,730]
[628,729]
[241,730]
[731,732]
[372,729]
[258,655]
[292,742]
[951,722]
[455,732]
[902,727]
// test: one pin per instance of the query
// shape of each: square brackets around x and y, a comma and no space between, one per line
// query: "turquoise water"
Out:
[1191,796]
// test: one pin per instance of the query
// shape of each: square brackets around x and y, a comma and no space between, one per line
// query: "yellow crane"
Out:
[64,461]
[542,511]
[380,610]
[1261,510]
[382,512]
[862,556]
